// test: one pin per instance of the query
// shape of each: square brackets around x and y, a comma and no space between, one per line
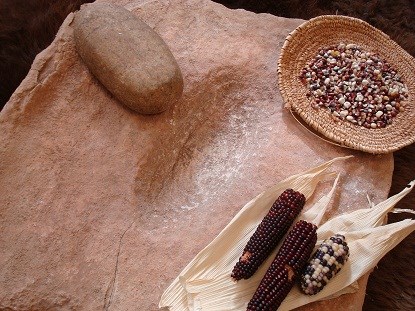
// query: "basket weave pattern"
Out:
[303,44]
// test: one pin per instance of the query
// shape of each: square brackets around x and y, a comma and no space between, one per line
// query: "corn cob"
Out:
[269,233]
[325,264]
[287,265]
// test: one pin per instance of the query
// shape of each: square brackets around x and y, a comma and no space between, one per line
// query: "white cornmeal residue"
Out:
[224,165]
[220,166]
[188,208]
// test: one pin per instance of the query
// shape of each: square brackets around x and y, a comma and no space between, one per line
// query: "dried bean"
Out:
[354,85]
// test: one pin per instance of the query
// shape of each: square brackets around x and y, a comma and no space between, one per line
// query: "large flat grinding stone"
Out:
[101,207]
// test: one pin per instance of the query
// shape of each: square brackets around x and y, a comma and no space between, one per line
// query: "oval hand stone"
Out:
[128,57]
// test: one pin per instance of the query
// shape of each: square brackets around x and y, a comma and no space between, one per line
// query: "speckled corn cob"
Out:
[325,264]
[286,267]
[269,233]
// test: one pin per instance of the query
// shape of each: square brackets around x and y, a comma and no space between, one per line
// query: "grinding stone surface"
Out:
[101,207]
[128,57]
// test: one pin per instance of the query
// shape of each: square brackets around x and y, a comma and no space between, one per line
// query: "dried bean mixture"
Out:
[354,85]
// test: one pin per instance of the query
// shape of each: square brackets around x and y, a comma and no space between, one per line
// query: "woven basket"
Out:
[303,44]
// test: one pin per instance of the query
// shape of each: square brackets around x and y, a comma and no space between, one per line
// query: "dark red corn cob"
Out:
[269,233]
[285,269]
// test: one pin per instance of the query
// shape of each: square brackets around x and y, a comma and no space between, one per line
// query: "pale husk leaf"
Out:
[221,253]
[367,247]
[205,283]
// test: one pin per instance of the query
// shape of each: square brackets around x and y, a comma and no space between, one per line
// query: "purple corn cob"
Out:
[285,269]
[269,233]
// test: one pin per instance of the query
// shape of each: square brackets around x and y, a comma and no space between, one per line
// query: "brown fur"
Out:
[28,26]
[392,285]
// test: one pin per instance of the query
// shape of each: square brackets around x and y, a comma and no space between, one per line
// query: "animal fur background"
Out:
[26,28]
[29,26]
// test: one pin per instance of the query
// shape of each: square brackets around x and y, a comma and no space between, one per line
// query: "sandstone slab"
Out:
[101,207]
[128,57]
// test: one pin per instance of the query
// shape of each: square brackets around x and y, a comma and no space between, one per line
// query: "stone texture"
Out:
[101,207]
[128,57]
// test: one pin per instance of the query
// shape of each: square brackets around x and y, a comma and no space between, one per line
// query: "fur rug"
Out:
[26,28]
[392,285]
[29,26]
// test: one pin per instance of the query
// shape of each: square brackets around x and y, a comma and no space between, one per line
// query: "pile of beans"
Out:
[354,85]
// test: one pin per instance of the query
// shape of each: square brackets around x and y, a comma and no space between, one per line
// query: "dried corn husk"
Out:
[205,283]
